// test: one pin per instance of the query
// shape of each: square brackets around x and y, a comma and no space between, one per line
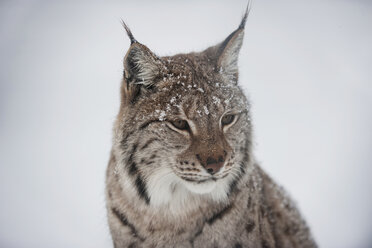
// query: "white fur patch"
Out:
[160,186]
[168,191]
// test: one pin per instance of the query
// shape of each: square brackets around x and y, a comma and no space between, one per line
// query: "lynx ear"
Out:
[141,68]
[227,52]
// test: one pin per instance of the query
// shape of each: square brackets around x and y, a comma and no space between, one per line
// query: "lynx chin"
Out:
[182,172]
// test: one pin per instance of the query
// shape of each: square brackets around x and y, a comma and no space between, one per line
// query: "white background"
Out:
[306,66]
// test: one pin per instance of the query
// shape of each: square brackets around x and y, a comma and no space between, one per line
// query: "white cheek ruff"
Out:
[167,190]
[160,186]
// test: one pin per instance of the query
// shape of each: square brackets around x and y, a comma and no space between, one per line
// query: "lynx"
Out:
[182,172]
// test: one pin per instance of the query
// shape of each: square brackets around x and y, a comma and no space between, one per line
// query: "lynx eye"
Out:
[227,119]
[181,124]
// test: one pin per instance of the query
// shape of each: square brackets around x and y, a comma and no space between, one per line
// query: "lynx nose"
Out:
[214,165]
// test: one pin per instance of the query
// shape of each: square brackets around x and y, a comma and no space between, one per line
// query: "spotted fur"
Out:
[178,176]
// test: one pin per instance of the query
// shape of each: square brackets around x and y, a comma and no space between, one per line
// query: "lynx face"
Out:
[183,130]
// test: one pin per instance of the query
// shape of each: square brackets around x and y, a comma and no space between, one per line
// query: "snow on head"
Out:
[216,100]
[161,114]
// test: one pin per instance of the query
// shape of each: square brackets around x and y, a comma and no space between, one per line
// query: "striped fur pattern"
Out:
[181,172]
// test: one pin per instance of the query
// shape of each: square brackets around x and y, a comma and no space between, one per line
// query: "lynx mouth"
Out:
[200,186]
[205,179]
[199,181]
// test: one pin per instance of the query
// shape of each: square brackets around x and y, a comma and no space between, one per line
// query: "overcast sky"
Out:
[306,66]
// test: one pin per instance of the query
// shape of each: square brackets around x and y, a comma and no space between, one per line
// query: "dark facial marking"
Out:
[132,168]
[123,142]
[234,183]
[141,188]
[148,143]
[132,152]
[147,123]
[242,166]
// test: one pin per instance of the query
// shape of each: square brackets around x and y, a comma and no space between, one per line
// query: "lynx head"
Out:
[183,131]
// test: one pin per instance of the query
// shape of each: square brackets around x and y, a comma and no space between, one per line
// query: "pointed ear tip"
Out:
[245,16]
[129,32]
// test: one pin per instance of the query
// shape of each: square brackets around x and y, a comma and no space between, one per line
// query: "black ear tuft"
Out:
[129,33]
[246,14]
